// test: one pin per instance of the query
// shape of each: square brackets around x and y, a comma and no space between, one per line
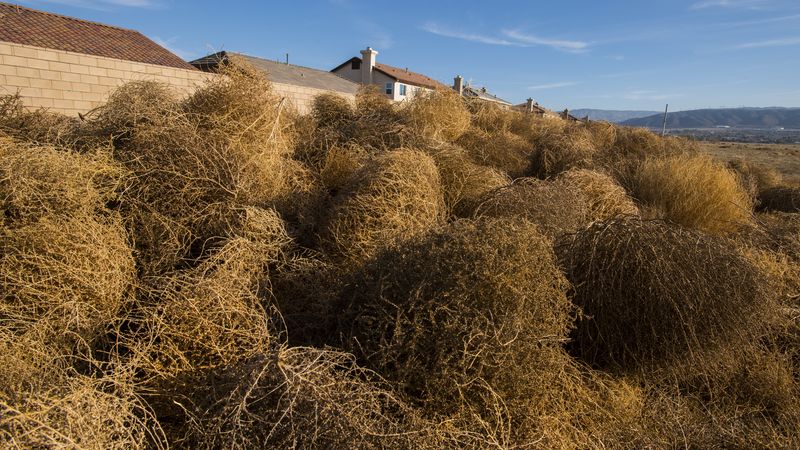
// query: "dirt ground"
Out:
[785,158]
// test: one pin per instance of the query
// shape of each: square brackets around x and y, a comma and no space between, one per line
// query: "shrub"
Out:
[606,199]
[37,182]
[559,146]
[556,208]
[395,196]
[306,398]
[755,177]
[501,150]
[464,183]
[196,162]
[440,114]
[467,319]
[695,192]
[780,198]
[652,294]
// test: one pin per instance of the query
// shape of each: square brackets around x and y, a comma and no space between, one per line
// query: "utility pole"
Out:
[664,128]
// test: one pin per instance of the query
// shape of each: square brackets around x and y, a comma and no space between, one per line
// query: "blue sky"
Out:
[615,54]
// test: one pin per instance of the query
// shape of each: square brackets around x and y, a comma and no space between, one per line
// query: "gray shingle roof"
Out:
[283,73]
[482,94]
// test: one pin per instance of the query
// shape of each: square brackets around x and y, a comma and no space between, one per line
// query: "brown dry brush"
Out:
[606,199]
[501,150]
[464,183]
[303,397]
[440,114]
[469,321]
[780,198]
[394,196]
[693,191]
[556,208]
[654,294]
[195,162]
[38,126]
[558,146]
[755,177]
[66,264]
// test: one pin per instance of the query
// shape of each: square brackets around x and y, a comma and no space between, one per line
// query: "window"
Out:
[355,64]
[402,89]
[388,88]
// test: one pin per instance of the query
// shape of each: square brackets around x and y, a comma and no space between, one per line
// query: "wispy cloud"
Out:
[513,38]
[439,30]
[105,5]
[648,95]
[560,84]
[559,44]
[169,45]
[741,4]
[782,42]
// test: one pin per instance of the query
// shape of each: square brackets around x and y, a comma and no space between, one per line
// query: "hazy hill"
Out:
[610,115]
[732,117]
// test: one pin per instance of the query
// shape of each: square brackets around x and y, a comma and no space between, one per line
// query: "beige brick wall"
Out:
[73,83]
[302,97]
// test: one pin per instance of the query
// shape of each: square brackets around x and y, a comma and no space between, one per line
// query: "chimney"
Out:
[367,64]
[458,84]
[529,105]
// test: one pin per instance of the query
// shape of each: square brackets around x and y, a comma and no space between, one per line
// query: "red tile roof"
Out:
[42,29]
[406,76]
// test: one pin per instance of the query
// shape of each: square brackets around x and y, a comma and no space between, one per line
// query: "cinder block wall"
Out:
[73,83]
[302,97]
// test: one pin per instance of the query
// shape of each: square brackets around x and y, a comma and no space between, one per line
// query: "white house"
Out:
[398,84]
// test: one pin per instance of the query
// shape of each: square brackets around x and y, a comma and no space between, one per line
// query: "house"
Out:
[532,107]
[298,84]
[478,93]
[398,84]
[70,65]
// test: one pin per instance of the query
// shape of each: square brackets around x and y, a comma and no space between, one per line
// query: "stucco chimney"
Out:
[458,84]
[367,64]
[529,105]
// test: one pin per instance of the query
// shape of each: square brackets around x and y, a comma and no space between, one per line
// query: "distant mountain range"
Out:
[726,117]
[610,115]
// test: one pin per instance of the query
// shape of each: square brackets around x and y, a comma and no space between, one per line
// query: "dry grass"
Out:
[606,199]
[693,191]
[440,114]
[755,177]
[65,279]
[301,397]
[556,208]
[558,146]
[395,196]
[464,183]
[501,150]
[196,162]
[653,294]
[468,321]
[38,181]
[39,126]
[780,198]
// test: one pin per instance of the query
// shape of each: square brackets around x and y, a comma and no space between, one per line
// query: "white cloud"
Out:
[513,38]
[168,44]
[104,4]
[746,4]
[572,46]
[557,85]
[770,43]
[438,30]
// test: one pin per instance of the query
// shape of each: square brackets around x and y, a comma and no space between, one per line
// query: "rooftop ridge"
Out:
[62,16]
